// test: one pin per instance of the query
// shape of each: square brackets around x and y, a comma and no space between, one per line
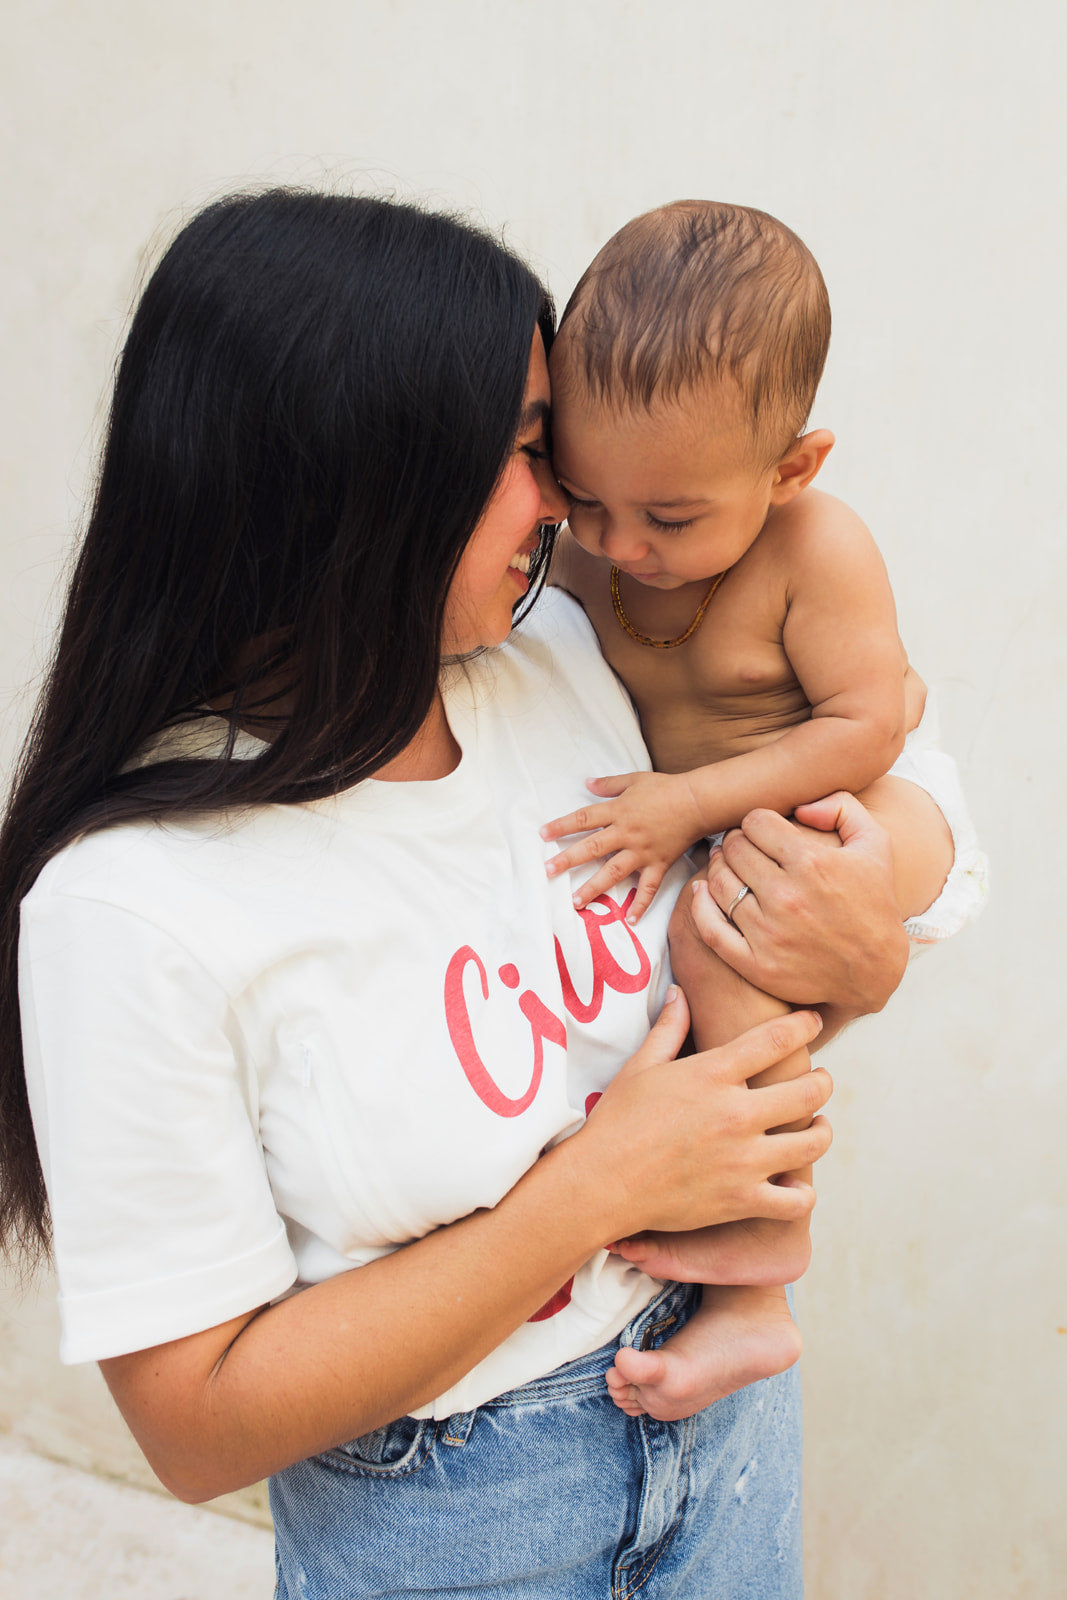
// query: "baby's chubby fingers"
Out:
[578,854]
[647,886]
[587,817]
[610,788]
[580,821]
[621,865]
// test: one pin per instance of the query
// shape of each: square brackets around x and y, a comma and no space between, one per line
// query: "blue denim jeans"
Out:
[552,1491]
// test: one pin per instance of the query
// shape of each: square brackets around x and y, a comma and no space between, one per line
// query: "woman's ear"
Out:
[800,464]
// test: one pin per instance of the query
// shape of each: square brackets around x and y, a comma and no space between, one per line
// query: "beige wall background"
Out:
[918,148]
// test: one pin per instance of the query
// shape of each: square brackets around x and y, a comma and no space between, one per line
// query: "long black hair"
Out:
[315,400]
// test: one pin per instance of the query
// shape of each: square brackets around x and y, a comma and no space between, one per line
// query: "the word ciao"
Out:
[544,1024]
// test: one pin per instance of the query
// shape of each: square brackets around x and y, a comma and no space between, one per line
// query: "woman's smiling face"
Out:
[491,576]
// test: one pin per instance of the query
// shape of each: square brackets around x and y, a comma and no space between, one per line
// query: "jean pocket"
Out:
[399,1447]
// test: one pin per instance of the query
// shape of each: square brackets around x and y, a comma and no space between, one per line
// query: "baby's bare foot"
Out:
[737,1337]
[754,1251]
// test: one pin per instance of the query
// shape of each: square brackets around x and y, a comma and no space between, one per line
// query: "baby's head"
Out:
[683,372]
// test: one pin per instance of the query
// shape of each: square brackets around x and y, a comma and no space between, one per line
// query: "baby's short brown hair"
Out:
[697,290]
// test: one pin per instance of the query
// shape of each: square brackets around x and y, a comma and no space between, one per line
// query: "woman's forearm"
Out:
[225,1407]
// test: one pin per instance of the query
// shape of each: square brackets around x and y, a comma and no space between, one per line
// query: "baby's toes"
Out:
[624,1394]
[629,1403]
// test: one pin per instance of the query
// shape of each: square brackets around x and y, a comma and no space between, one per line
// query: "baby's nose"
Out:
[622,545]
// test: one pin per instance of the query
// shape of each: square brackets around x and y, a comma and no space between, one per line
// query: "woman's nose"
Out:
[554,503]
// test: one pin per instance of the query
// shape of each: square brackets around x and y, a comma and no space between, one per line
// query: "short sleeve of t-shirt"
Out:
[146,1124]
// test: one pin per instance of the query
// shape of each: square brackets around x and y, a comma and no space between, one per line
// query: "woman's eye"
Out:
[536,452]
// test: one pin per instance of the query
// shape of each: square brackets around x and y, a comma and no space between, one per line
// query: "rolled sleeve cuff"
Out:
[115,1322]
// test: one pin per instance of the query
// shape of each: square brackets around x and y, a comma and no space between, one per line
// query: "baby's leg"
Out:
[923,850]
[739,1334]
[735,1337]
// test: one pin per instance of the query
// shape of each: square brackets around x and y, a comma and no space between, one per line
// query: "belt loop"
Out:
[660,1314]
[455,1430]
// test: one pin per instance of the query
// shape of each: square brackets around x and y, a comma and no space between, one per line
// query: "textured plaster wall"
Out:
[918,149]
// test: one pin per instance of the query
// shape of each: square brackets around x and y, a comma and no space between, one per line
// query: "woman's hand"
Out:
[685,1142]
[817,925]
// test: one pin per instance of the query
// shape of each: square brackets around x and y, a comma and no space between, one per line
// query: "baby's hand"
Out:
[650,820]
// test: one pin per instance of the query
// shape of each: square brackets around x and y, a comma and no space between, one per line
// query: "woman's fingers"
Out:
[776,1203]
[743,1058]
[730,891]
[718,932]
[800,1149]
[685,1142]
[843,814]
[754,864]
[794,1098]
[666,1036]
[826,925]
[764,1045]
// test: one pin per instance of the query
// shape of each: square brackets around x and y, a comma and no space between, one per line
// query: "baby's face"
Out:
[670,495]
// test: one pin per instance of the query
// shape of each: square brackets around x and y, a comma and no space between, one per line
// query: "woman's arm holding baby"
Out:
[673,1143]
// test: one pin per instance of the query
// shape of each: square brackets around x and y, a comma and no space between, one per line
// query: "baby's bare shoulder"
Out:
[816,525]
[817,536]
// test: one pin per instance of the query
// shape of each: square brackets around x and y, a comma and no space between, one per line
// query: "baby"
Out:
[751,619]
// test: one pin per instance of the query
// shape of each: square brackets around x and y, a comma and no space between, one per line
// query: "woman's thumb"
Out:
[667,1035]
[843,814]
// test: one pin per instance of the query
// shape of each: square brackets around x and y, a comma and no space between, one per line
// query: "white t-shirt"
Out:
[263,1050]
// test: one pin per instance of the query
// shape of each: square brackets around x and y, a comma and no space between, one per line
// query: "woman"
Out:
[295,989]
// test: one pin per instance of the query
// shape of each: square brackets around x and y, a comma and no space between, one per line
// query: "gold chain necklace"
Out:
[643,638]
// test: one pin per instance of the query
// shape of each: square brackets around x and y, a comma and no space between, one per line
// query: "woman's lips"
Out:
[518,567]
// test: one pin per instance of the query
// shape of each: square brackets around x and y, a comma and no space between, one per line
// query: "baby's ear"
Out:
[800,464]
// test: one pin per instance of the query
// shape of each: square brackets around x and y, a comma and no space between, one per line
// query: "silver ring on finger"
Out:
[736,901]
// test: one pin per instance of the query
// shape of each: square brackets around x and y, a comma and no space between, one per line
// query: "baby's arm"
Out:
[840,636]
